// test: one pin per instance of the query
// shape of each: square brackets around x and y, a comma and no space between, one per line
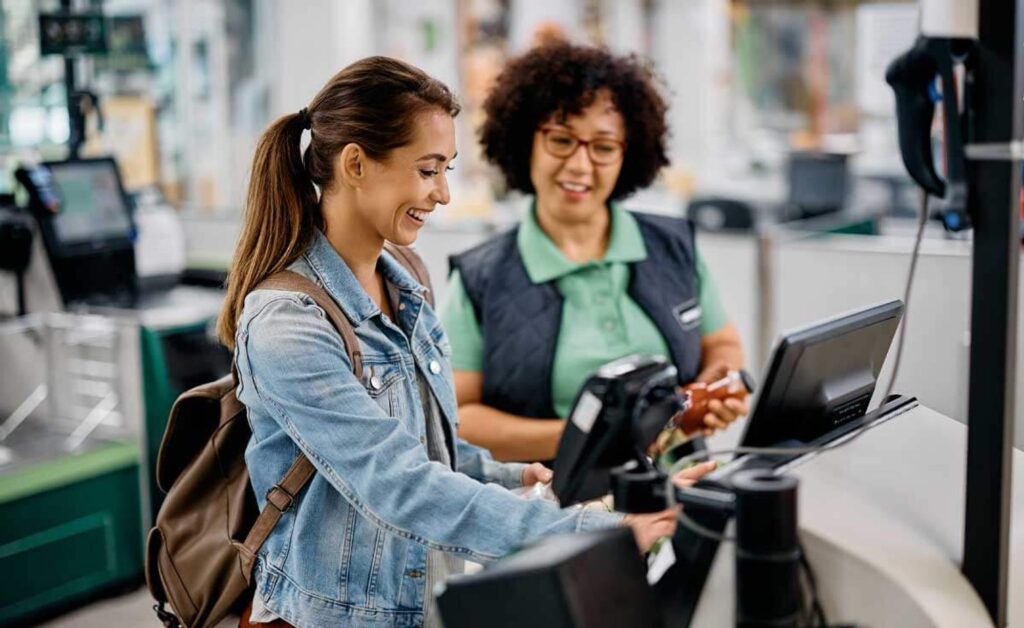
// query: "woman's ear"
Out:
[350,165]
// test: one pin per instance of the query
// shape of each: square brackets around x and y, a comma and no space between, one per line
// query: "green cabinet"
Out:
[70,527]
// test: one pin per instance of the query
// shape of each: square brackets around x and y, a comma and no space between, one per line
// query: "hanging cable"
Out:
[922,220]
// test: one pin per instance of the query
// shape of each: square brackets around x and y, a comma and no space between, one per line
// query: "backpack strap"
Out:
[413,263]
[281,496]
[290,281]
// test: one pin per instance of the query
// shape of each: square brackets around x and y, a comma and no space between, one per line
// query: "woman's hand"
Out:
[720,414]
[688,477]
[536,472]
[648,528]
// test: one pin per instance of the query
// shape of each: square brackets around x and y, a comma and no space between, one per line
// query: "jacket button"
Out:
[435,367]
[371,379]
[415,573]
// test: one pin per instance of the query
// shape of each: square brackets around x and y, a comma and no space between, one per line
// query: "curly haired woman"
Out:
[581,281]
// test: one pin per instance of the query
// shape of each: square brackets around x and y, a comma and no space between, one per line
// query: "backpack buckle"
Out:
[280,498]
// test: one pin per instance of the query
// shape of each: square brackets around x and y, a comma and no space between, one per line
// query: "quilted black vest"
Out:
[520,320]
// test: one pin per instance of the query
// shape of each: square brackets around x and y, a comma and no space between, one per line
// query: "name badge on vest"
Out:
[688,314]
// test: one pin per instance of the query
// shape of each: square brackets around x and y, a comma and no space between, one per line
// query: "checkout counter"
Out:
[879,505]
[79,492]
[881,520]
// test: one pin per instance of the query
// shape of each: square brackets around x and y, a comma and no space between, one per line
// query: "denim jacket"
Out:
[352,549]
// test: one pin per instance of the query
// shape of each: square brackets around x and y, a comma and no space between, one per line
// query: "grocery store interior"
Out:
[822,211]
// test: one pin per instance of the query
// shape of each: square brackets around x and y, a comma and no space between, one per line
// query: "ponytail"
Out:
[281,215]
[372,103]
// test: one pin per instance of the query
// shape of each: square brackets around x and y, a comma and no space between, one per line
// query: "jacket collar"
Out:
[341,284]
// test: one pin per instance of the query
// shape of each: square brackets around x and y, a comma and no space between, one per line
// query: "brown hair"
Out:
[372,103]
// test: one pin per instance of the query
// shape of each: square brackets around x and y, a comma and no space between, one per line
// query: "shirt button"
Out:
[609,325]
[423,440]
[435,367]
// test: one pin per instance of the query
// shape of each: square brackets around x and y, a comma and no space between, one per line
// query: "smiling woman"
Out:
[389,198]
[580,282]
[397,500]
[374,127]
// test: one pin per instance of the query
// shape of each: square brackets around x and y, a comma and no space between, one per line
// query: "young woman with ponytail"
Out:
[398,499]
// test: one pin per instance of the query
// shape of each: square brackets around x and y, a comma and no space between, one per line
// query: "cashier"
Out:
[580,281]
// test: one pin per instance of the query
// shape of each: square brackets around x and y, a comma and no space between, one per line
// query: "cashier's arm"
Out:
[509,437]
[720,351]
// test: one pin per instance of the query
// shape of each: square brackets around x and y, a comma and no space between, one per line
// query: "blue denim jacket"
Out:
[353,550]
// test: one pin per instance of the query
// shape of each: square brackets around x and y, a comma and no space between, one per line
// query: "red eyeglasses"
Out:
[562,143]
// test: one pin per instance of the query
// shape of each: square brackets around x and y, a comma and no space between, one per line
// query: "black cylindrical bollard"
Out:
[767,550]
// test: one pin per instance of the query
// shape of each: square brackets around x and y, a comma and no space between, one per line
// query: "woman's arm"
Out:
[300,374]
[507,436]
[515,438]
[720,351]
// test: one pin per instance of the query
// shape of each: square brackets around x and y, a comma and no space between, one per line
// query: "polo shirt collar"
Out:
[545,262]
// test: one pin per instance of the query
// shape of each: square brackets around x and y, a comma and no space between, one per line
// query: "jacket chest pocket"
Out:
[384,384]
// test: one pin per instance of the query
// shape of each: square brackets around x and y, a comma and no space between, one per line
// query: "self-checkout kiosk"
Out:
[85,221]
[81,271]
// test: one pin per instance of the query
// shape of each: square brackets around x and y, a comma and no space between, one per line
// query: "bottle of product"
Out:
[689,421]
[697,396]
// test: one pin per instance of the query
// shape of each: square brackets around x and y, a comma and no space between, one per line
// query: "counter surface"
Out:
[882,523]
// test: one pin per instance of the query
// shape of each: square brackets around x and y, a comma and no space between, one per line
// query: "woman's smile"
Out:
[575,191]
[417,216]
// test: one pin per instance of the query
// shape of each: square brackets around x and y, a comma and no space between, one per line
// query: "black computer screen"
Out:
[92,203]
[822,377]
[87,228]
[818,182]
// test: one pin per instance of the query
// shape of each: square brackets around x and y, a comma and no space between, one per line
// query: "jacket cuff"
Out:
[598,520]
[507,474]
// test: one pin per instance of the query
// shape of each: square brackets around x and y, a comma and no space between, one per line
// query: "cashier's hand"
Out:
[536,472]
[649,528]
[720,414]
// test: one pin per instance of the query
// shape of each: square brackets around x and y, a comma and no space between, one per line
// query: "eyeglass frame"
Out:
[580,142]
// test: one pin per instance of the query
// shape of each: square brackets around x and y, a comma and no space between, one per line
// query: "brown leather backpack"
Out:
[200,553]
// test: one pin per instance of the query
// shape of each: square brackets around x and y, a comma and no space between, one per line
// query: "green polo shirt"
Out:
[600,321]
